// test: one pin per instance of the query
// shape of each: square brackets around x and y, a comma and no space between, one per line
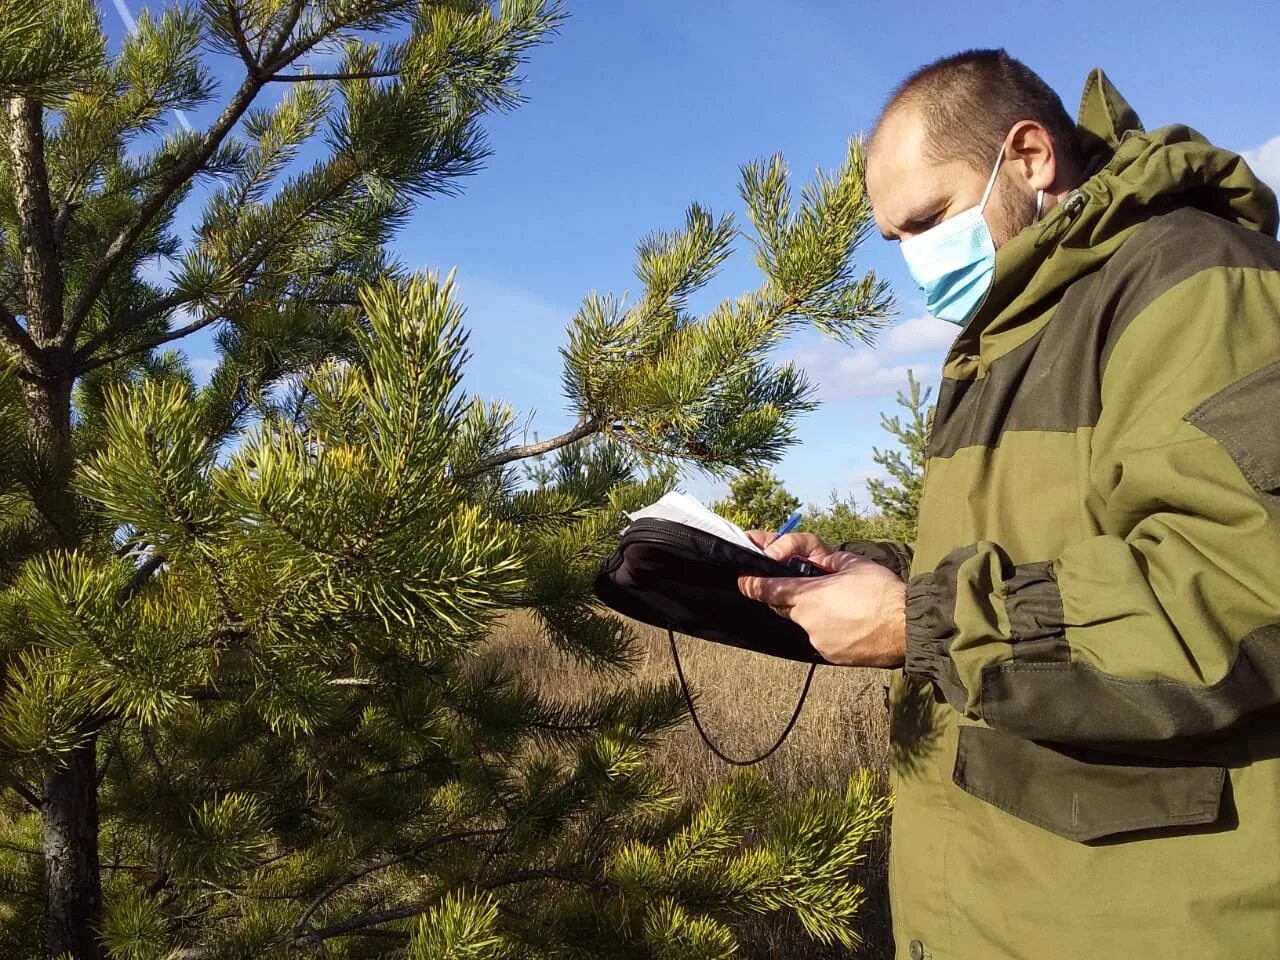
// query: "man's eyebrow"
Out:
[918,218]
[907,224]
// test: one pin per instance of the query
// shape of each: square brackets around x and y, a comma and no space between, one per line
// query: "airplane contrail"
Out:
[131,24]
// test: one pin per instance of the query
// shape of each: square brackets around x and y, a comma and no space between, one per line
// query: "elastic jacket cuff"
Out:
[931,626]
[1037,627]
[891,554]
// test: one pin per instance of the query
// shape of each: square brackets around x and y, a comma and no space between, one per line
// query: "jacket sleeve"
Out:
[892,554]
[1165,623]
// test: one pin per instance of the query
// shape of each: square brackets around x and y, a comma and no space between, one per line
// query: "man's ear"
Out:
[1033,155]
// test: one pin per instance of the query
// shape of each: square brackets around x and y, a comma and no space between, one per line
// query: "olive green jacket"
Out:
[1086,737]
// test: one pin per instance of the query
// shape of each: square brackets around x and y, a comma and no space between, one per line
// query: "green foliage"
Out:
[135,923]
[843,519]
[757,500]
[458,929]
[260,607]
[898,498]
[49,48]
[703,389]
[820,837]
[895,501]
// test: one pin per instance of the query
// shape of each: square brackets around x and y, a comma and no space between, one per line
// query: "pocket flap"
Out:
[1241,418]
[1083,798]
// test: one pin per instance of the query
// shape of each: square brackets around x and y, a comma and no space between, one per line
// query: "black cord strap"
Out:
[693,713]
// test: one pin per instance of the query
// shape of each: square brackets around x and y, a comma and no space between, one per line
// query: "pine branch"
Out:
[262,251]
[75,188]
[241,39]
[27,794]
[60,221]
[510,828]
[105,765]
[384,934]
[144,573]
[303,926]
[132,320]
[584,429]
[148,343]
[18,848]
[13,331]
[359,923]
[151,207]
[178,176]
[10,890]
[353,14]
[358,75]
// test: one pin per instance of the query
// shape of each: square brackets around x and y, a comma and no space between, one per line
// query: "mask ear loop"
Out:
[986,194]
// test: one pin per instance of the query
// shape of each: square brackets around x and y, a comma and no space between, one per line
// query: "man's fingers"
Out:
[842,560]
[761,538]
[775,591]
[797,545]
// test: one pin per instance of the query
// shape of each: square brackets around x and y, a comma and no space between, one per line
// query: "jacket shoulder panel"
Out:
[1165,251]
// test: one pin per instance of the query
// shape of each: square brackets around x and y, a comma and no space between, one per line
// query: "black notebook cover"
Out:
[684,579]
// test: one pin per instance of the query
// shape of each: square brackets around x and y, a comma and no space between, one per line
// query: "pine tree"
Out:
[896,501]
[246,709]
[844,519]
[898,498]
[757,500]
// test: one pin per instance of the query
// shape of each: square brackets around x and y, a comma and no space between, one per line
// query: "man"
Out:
[1085,732]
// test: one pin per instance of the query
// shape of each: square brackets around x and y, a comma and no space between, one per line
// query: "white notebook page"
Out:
[682,508]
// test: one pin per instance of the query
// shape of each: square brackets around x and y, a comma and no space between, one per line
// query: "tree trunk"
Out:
[72,890]
[41,270]
[72,881]
[72,884]
[48,407]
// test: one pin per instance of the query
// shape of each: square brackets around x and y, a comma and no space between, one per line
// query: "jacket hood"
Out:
[1135,175]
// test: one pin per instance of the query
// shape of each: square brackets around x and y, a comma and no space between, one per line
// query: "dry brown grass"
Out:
[745,699]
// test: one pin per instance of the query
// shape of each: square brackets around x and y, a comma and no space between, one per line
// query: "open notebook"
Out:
[686,581]
[682,508]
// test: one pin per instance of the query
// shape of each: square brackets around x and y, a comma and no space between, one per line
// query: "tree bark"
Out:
[48,404]
[69,811]
[72,888]
[41,273]
[69,807]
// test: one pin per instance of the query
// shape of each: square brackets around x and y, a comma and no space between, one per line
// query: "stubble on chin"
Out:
[1017,211]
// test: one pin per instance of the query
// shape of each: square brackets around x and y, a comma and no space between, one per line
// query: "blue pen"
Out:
[789,524]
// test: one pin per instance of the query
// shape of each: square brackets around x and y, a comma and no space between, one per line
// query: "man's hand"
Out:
[854,617]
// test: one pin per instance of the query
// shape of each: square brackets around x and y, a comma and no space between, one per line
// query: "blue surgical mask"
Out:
[954,262]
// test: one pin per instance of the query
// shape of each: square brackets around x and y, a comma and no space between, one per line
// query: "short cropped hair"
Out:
[970,101]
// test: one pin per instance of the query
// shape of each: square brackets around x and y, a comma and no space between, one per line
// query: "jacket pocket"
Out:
[1241,417]
[1083,796]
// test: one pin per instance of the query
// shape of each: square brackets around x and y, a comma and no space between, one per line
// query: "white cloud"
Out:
[859,479]
[918,335]
[1265,161]
[841,375]
[917,344]
[202,367]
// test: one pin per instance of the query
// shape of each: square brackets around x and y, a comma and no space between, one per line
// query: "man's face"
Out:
[909,193]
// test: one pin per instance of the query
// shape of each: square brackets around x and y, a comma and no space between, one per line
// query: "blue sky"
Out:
[638,108]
